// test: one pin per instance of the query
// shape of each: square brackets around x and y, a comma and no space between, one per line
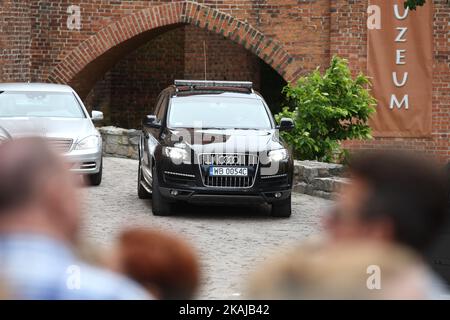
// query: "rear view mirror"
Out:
[97,115]
[286,124]
[150,121]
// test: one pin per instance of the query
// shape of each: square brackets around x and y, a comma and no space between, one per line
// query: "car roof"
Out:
[24,86]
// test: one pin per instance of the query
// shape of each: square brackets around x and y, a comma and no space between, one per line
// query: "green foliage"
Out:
[327,109]
[412,4]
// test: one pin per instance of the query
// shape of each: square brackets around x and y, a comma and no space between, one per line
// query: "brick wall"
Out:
[15,28]
[269,28]
[176,54]
[291,36]
[225,60]
[149,69]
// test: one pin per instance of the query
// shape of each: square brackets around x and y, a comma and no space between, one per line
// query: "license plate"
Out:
[228,171]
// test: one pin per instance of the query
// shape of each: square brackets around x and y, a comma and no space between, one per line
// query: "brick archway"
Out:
[133,30]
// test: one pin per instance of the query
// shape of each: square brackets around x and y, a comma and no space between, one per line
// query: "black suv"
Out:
[214,142]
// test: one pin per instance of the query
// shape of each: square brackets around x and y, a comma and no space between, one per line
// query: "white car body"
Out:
[65,134]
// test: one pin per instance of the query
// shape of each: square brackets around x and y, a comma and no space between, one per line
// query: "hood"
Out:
[226,140]
[48,127]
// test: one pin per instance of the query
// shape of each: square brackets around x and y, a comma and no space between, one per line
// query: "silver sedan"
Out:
[56,113]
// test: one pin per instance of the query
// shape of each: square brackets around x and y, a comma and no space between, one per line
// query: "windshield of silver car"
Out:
[39,104]
[221,113]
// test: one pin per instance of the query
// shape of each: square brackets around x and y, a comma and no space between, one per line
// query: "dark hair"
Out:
[160,262]
[408,189]
[24,165]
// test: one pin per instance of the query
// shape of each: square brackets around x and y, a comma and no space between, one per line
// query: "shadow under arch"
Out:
[93,57]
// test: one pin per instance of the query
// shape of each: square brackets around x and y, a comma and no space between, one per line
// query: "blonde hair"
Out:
[341,271]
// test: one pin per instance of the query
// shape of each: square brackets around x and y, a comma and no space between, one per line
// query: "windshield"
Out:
[213,112]
[39,104]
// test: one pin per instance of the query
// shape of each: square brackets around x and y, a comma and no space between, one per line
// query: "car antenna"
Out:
[204,55]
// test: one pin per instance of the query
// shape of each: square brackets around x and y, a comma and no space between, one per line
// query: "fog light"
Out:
[174,192]
[278,195]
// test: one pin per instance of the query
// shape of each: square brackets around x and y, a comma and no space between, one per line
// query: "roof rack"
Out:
[188,87]
[213,83]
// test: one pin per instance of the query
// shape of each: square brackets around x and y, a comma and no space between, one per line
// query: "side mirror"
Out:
[286,124]
[97,115]
[150,121]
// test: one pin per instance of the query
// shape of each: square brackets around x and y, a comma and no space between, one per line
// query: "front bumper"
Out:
[209,196]
[187,182]
[84,161]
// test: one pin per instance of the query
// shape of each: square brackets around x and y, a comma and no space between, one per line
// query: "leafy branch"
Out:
[413,4]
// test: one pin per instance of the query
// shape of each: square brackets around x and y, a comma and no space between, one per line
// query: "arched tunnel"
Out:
[124,82]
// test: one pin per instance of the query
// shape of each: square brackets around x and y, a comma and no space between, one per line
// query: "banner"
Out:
[400,64]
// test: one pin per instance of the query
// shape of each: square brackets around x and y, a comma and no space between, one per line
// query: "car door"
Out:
[151,136]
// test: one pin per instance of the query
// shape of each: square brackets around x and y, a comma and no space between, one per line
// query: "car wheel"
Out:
[96,178]
[142,192]
[282,208]
[160,206]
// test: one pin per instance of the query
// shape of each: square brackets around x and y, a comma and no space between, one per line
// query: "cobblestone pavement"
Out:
[231,241]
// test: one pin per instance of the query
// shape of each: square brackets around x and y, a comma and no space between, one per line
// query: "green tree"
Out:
[413,4]
[327,109]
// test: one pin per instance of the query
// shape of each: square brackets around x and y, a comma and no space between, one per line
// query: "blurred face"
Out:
[38,191]
[61,203]
[345,221]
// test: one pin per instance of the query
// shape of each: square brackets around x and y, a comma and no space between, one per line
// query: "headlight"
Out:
[91,142]
[278,155]
[177,155]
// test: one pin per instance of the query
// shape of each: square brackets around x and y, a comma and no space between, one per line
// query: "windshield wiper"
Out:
[214,128]
[223,128]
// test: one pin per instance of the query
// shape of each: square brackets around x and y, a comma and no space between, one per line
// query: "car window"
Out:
[39,104]
[218,112]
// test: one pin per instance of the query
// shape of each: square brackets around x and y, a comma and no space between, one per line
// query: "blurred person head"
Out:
[346,270]
[4,292]
[393,197]
[37,192]
[39,223]
[163,264]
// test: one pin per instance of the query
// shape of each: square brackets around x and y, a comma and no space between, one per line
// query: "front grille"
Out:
[249,161]
[60,145]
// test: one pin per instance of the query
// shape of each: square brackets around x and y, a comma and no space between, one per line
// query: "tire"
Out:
[96,178]
[141,191]
[160,206]
[282,209]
